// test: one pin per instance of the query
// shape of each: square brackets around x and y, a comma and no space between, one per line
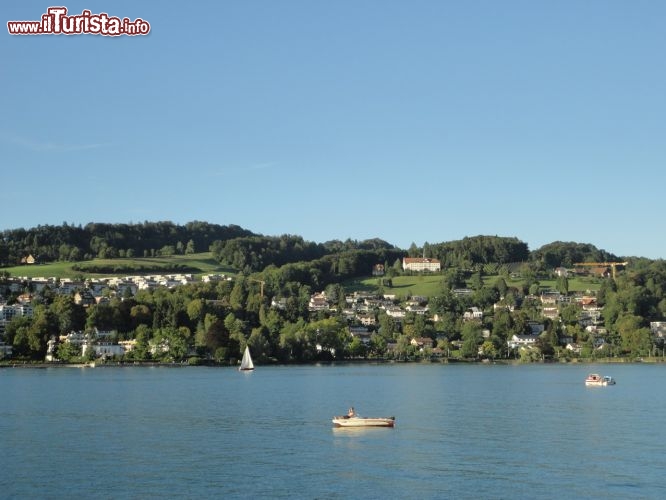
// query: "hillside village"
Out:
[85,293]
[360,312]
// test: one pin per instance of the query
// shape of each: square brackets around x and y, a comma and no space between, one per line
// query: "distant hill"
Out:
[243,249]
[565,254]
[107,241]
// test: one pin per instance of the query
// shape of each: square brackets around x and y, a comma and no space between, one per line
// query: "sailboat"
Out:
[246,362]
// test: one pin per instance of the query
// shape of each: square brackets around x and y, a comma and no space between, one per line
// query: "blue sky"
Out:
[411,121]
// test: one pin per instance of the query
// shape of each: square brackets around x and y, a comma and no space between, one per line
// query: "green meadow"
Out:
[431,284]
[196,264]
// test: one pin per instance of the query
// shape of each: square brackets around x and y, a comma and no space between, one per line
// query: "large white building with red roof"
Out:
[419,264]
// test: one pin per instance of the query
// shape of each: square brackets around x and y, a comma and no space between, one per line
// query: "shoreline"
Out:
[153,364]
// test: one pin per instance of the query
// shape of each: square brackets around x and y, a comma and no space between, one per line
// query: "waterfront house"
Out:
[422,343]
[521,341]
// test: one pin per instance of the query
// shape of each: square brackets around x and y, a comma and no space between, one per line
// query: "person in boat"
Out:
[351,413]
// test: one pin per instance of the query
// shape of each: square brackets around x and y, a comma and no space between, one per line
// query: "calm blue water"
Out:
[493,431]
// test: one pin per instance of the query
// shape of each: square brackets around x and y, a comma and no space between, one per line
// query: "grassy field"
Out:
[199,263]
[426,285]
[431,284]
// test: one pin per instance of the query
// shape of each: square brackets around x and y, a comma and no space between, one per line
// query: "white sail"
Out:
[246,363]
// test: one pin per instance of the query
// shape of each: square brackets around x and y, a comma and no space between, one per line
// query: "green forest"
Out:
[266,305]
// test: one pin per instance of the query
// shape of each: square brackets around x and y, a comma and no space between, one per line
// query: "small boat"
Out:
[353,420]
[246,362]
[596,379]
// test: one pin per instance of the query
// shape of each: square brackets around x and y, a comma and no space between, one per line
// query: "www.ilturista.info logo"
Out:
[57,22]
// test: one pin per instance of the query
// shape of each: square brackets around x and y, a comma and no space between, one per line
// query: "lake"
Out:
[462,431]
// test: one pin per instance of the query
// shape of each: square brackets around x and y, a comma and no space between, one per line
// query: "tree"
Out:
[272,321]
[100,316]
[489,350]
[486,296]
[43,327]
[294,342]
[357,348]
[190,248]
[216,335]
[68,352]
[377,345]
[562,284]
[501,286]
[569,314]
[70,316]
[13,327]
[387,326]
[629,328]
[330,333]
[140,314]
[177,341]
[142,335]
[545,345]
[503,326]
[453,278]
[27,342]
[471,338]
[259,343]
[238,295]
[168,250]
[477,280]
[420,326]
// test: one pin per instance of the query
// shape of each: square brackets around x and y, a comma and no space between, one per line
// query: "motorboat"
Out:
[596,379]
[356,421]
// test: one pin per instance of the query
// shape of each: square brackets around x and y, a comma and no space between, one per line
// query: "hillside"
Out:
[196,264]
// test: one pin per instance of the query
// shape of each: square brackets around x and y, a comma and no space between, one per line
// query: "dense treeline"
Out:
[249,252]
[566,254]
[330,269]
[75,243]
[349,258]
[254,253]
[478,250]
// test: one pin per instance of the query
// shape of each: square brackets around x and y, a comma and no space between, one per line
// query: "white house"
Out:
[395,312]
[422,343]
[103,349]
[473,313]
[318,302]
[367,319]
[521,341]
[417,309]
[575,348]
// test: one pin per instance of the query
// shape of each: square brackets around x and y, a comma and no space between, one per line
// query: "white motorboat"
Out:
[356,421]
[596,379]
